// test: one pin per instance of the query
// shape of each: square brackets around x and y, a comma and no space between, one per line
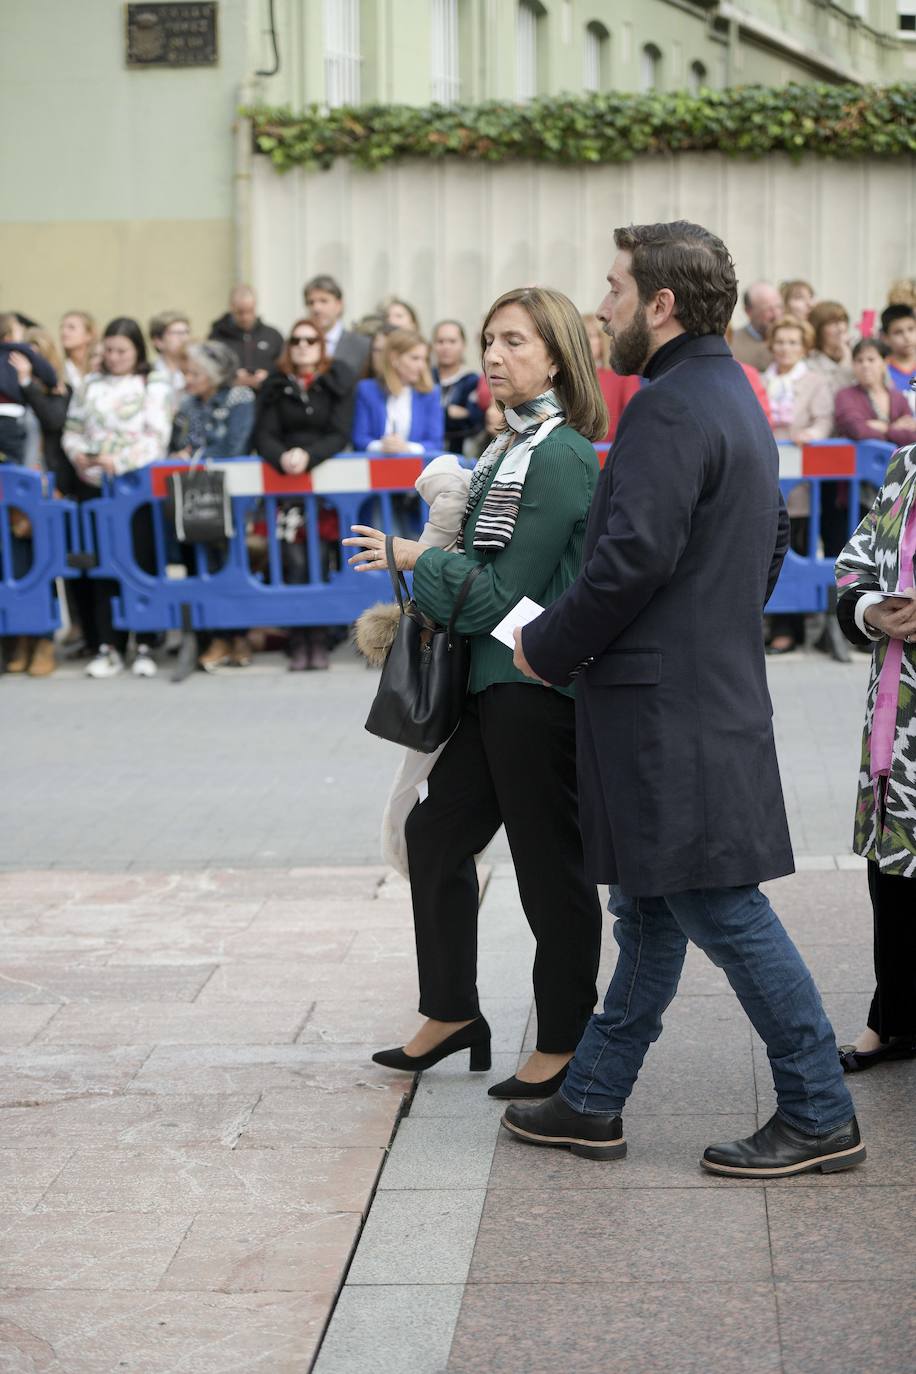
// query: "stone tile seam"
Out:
[343,1281]
[400,1143]
[779,1334]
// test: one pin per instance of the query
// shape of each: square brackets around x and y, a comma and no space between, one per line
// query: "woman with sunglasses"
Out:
[303,417]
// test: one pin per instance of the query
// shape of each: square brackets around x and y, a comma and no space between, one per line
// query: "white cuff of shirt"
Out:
[862,605]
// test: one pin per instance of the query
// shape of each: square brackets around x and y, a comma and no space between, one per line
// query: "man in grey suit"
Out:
[325,305]
[680,801]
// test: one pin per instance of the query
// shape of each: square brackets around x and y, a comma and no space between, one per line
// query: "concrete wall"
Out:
[450,238]
[117,183]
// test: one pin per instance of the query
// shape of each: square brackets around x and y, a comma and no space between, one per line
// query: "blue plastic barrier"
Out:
[357,487]
[807,582]
[30,567]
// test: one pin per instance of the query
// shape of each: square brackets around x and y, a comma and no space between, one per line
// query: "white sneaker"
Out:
[144,665]
[107,663]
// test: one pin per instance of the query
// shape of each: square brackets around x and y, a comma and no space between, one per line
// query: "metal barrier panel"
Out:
[29,567]
[236,587]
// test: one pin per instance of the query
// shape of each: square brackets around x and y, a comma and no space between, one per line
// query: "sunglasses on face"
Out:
[303,339]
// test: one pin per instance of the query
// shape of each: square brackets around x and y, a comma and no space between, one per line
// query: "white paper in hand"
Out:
[526,611]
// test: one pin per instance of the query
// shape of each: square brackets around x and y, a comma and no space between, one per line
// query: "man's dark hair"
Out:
[323,282]
[893,313]
[692,263]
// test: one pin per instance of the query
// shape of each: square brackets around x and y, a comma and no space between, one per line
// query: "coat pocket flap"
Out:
[626,668]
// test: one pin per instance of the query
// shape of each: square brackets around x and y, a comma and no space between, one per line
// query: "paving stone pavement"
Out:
[649,1264]
[198,950]
[260,767]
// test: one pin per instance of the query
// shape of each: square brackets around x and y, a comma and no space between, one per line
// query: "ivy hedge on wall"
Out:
[744,121]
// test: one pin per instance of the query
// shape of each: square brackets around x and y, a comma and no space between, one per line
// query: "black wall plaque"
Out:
[172,35]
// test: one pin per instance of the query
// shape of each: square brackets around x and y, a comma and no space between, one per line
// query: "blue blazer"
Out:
[427,426]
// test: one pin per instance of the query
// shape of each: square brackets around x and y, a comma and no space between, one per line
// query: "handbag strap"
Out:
[461,598]
[398,580]
[401,590]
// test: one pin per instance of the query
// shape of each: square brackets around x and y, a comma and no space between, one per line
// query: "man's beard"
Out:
[630,348]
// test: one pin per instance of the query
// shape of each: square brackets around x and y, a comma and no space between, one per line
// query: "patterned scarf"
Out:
[496,523]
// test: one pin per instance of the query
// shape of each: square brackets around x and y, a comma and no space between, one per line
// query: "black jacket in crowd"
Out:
[256,349]
[678,779]
[317,420]
[10,390]
[50,408]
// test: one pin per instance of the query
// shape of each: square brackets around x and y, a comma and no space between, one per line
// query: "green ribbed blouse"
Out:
[541,560]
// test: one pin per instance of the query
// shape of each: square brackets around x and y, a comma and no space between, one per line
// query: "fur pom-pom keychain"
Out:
[374,631]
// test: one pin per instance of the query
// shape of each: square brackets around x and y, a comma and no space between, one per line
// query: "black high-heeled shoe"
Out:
[475,1036]
[517,1087]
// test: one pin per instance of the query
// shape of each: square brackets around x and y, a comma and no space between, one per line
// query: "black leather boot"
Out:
[555,1123]
[778,1149]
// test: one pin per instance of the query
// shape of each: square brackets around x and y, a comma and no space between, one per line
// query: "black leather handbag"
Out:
[425,677]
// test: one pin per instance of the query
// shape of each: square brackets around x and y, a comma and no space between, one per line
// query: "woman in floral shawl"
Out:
[877,604]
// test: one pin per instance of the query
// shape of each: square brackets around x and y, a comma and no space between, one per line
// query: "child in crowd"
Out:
[898,323]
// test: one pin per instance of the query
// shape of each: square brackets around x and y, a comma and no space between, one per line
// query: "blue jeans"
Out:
[740,932]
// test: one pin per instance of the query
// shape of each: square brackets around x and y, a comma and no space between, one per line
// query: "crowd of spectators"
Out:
[86,405]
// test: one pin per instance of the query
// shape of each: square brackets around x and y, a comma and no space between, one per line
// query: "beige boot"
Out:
[43,660]
[217,656]
[240,654]
[20,651]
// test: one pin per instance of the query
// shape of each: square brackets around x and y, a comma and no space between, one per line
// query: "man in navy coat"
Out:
[680,800]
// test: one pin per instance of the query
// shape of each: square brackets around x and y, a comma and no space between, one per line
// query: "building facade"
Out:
[418,51]
[130,190]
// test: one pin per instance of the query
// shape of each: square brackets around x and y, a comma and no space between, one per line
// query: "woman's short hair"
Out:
[125,328]
[285,360]
[792,322]
[401,341]
[559,324]
[216,359]
[788,289]
[159,323]
[903,292]
[689,261]
[877,344]
[592,321]
[455,324]
[824,313]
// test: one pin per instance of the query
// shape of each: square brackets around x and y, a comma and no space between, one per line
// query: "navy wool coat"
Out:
[678,780]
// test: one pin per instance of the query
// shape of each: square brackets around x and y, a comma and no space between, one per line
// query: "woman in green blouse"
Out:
[512,759]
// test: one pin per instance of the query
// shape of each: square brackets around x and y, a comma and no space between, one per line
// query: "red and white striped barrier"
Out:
[817,460]
[251,477]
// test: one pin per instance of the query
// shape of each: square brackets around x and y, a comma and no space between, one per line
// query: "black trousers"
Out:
[893,901]
[512,760]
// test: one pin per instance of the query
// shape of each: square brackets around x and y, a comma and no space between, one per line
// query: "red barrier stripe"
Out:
[387,474]
[833,460]
[159,477]
[281,484]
